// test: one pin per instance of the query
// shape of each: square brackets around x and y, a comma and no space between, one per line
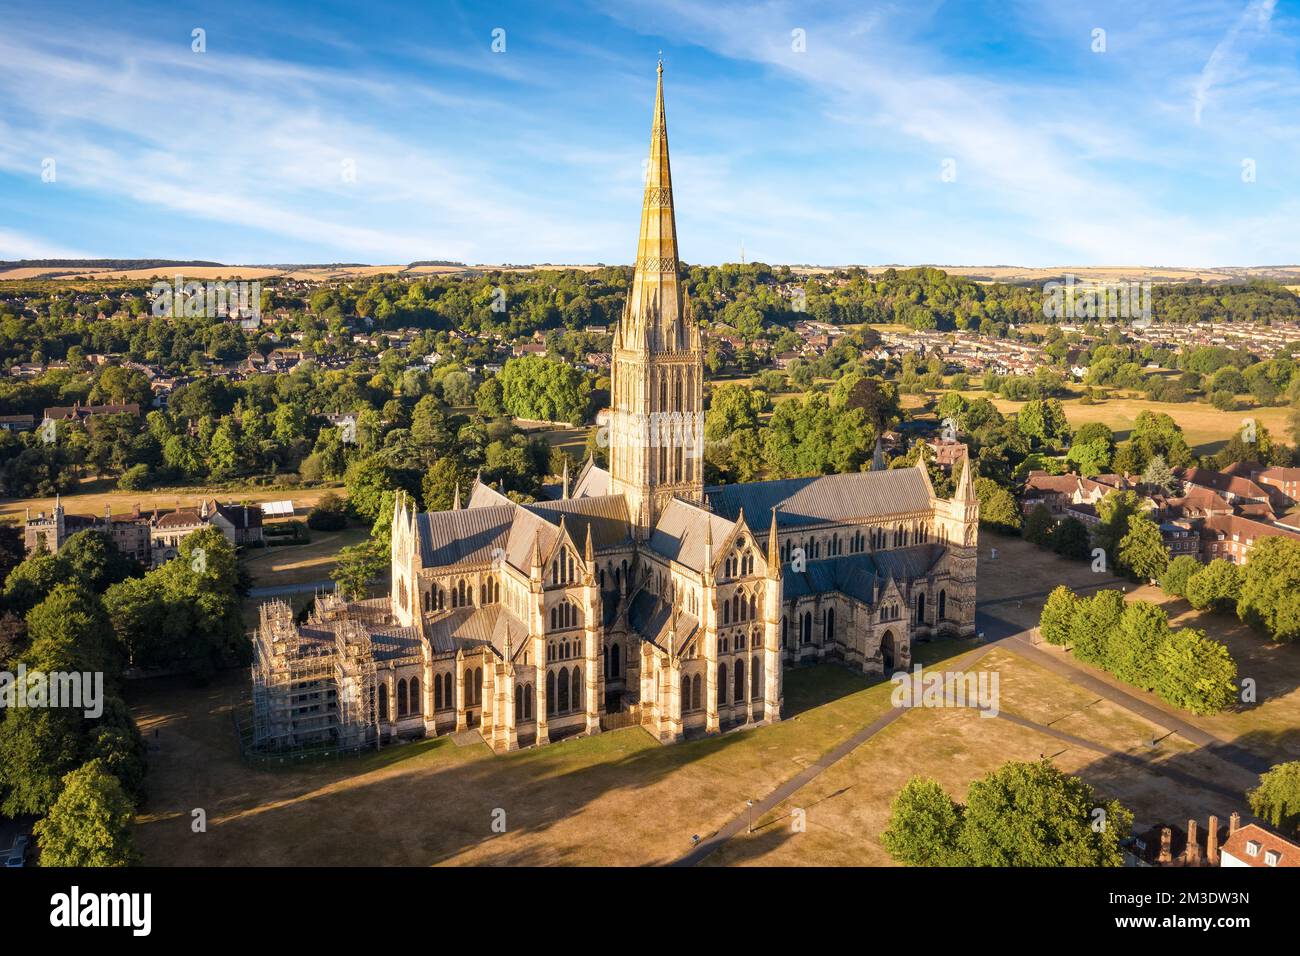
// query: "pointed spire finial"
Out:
[564,480]
[455,504]
[773,549]
[587,553]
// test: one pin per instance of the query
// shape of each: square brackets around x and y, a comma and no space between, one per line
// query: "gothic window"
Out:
[437,692]
[519,708]
[805,636]
[528,701]
[920,608]
[785,631]
[447,700]
[695,693]
[401,698]
[829,633]
[753,606]
[755,677]
[726,612]
[943,604]
[722,684]
[577,688]
[613,660]
[686,692]
[383,701]
[478,685]
[739,693]
[416,706]
[550,692]
[562,705]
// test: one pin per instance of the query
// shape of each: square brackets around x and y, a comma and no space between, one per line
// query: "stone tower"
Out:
[957,522]
[656,446]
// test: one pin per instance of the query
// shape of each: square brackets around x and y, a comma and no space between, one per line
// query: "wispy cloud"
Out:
[1255,18]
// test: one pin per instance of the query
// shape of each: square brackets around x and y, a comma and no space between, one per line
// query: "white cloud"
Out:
[1256,18]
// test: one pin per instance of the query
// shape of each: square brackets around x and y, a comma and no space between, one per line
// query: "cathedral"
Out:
[641,596]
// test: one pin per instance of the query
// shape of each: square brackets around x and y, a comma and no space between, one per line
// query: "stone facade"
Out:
[642,596]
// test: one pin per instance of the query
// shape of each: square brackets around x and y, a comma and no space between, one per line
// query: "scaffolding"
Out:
[313,684]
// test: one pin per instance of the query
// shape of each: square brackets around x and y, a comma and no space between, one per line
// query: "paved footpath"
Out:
[998,632]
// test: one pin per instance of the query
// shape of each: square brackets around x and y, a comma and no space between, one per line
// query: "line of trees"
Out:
[1134,642]
[88,609]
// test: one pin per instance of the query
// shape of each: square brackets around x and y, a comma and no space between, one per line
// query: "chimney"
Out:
[1234,823]
[135,510]
[1212,842]
[1166,844]
[1193,855]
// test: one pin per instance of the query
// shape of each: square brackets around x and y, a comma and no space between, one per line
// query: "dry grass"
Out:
[301,564]
[615,799]
[99,493]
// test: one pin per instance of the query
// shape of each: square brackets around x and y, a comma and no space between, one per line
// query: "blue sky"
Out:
[835,154]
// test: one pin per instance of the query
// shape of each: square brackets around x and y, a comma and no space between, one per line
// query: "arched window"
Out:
[739,693]
[920,608]
[943,604]
[577,688]
[447,699]
[478,685]
[686,692]
[528,701]
[756,677]
[614,660]
[383,701]
[753,606]
[722,684]
[562,705]
[416,705]
[805,635]
[437,692]
[401,698]
[829,633]
[550,692]
[519,707]
[695,693]
[785,631]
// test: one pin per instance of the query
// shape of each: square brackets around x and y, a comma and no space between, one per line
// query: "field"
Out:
[1205,427]
[99,493]
[620,798]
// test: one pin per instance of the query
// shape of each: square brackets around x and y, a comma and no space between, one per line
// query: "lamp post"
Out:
[750,805]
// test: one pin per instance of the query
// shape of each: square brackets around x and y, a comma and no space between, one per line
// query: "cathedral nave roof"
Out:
[682,530]
[826,498]
[861,576]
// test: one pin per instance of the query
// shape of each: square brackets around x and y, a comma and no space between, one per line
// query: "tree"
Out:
[1113,513]
[1216,586]
[1038,526]
[1142,549]
[1179,571]
[1131,647]
[1032,814]
[357,567]
[90,823]
[1093,622]
[1277,798]
[441,483]
[1270,592]
[924,825]
[1195,673]
[1057,618]
[998,509]
[37,747]
[330,513]
[1071,539]
[1159,475]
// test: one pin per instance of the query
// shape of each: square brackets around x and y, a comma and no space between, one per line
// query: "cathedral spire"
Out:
[966,484]
[655,301]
